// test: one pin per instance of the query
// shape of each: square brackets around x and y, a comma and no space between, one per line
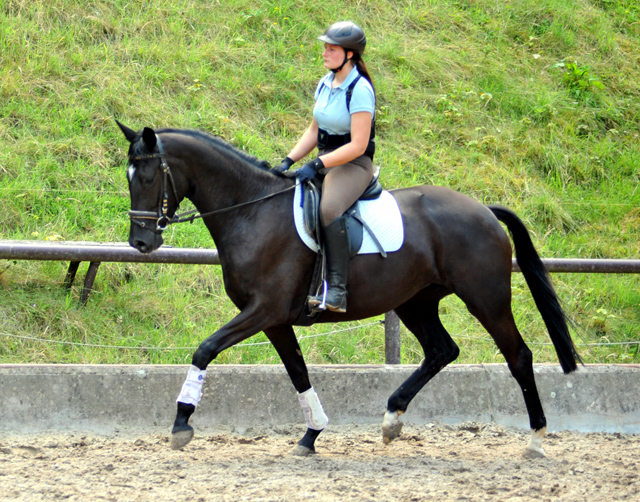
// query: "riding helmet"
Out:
[347,35]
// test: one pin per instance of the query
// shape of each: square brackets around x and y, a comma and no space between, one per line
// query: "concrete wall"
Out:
[101,398]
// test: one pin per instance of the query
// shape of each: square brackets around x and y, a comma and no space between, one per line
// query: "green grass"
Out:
[533,106]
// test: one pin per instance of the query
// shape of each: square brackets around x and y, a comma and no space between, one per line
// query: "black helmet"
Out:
[347,35]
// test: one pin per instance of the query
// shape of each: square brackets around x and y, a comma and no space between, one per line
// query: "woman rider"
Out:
[342,129]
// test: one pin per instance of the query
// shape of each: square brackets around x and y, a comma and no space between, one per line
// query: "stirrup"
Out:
[319,301]
[331,299]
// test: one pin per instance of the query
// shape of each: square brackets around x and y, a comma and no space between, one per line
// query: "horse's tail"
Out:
[541,288]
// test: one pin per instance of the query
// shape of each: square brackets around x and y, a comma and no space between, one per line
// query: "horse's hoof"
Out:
[301,451]
[391,432]
[391,426]
[534,448]
[534,453]
[180,439]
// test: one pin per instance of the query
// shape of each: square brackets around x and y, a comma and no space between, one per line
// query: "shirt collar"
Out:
[353,74]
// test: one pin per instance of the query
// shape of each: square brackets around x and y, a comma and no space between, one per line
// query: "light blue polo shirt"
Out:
[330,110]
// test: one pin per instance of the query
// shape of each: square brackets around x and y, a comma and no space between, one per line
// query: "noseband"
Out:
[161,218]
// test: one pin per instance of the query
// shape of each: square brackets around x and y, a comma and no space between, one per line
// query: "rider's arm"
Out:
[360,133]
[307,142]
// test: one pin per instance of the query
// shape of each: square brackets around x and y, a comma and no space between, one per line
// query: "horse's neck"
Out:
[225,180]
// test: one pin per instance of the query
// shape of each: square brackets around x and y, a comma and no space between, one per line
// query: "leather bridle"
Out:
[161,218]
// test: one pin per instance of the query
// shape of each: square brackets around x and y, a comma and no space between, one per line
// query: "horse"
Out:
[453,245]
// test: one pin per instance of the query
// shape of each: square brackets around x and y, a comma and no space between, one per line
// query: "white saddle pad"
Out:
[381,214]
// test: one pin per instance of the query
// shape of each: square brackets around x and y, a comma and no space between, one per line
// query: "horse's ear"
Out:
[149,138]
[130,134]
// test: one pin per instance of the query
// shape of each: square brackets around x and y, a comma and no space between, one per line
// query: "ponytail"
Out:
[362,68]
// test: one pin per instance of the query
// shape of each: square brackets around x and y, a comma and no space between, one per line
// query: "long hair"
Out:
[362,68]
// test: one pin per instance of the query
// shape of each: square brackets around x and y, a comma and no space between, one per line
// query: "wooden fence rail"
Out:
[96,253]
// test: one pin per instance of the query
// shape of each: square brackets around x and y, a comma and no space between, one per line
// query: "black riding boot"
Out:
[336,244]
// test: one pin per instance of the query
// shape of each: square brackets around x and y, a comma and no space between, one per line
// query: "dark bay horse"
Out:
[453,245]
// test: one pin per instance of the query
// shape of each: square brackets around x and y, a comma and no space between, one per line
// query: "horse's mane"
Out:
[220,144]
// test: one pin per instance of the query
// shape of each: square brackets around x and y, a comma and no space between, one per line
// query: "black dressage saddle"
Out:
[355,223]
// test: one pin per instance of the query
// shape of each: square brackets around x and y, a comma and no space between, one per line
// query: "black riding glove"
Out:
[284,165]
[309,170]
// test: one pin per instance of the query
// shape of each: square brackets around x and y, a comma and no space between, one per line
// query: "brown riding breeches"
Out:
[343,185]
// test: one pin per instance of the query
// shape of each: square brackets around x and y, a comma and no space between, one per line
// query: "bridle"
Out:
[160,218]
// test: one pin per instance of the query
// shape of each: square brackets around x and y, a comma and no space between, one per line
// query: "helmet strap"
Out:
[339,68]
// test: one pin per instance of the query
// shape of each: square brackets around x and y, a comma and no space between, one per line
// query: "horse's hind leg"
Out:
[420,316]
[494,312]
[284,340]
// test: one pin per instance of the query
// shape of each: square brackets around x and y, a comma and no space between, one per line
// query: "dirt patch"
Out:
[467,462]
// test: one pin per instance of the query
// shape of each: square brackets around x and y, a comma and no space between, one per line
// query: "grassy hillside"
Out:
[533,105]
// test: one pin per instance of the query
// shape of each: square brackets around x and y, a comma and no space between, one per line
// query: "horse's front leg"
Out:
[246,324]
[284,340]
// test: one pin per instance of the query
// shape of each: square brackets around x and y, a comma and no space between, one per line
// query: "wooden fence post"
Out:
[392,338]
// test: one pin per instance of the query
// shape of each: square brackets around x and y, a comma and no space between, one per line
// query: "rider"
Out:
[343,130]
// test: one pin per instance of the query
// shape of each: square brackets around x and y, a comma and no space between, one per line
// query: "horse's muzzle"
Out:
[143,240]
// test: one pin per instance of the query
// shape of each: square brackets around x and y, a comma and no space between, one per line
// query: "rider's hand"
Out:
[309,170]
[284,165]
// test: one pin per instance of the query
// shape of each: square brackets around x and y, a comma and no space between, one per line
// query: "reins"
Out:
[161,217]
[180,218]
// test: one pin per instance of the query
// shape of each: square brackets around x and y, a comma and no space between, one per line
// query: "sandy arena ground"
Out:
[467,462]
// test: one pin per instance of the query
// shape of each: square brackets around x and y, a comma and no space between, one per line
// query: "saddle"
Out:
[310,203]
[355,224]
